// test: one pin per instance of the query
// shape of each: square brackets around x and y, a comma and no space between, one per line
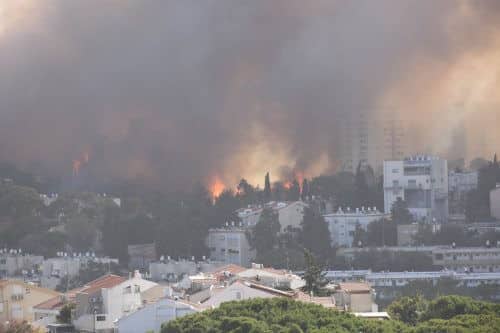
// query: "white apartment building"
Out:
[102,302]
[468,259]
[342,224]
[15,263]
[230,245]
[54,269]
[290,214]
[459,184]
[422,182]
[495,202]
[172,270]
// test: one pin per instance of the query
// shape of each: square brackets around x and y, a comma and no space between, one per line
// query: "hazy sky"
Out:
[185,90]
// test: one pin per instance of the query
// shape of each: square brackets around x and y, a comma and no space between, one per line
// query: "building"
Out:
[468,259]
[290,214]
[230,245]
[172,270]
[369,138]
[100,303]
[495,202]
[241,290]
[459,185]
[150,317]
[141,255]
[342,224]
[68,265]
[355,297]
[15,263]
[406,234]
[274,278]
[18,298]
[422,182]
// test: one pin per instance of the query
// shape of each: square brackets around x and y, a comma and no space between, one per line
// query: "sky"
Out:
[176,92]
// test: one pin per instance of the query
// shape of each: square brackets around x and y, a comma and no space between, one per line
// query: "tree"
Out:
[313,275]
[382,233]
[264,236]
[305,192]
[65,314]
[267,188]
[293,193]
[400,213]
[314,234]
[408,309]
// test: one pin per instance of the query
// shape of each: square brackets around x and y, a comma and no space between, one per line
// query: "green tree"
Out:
[408,309]
[315,235]
[293,193]
[382,233]
[65,314]
[313,275]
[400,213]
[305,191]
[264,236]
[267,188]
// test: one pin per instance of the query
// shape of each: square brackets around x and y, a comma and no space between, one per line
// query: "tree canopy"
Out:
[447,314]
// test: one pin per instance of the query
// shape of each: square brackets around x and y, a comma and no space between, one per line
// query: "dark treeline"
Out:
[178,222]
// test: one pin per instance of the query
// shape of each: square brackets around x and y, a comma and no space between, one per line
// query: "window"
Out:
[100,318]
[238,295]
[137,289]
[395,170]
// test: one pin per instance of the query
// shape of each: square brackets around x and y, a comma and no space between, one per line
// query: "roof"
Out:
[231,268]
[355,287]
[373,315]
[106,281]
[27,285]
[55,303]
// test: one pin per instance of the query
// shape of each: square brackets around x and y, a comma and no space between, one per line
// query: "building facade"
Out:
[422,182]
[17,300]
[230,245]
[342,224]
[495,202]
[152,316]
[459,185]
[468,259]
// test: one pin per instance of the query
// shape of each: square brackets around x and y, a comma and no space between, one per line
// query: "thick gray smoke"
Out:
[181,91]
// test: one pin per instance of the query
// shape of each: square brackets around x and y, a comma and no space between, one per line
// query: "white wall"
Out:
[152,316]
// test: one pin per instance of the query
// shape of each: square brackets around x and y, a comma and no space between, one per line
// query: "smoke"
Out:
[182,91]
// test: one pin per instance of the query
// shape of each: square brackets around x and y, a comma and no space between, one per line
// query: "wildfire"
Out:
[77,164]
[217,187]
[76,167]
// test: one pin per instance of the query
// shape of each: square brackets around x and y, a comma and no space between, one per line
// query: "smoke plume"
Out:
[183,91]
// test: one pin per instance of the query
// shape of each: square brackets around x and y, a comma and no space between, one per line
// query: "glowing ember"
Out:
[217,187]
[287,185]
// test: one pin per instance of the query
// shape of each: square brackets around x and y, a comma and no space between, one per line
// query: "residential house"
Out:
[103,301]
[150,317]
[17,300]
[275,278]
[355,297]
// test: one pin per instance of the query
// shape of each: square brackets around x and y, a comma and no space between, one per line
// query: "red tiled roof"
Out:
[106,281]
[54,303]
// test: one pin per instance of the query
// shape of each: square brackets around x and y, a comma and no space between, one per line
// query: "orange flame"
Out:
[76,167]
[77,164]
[217,187]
